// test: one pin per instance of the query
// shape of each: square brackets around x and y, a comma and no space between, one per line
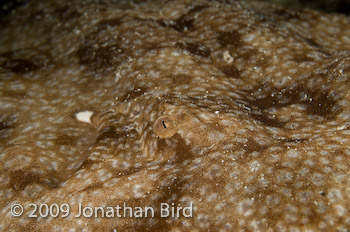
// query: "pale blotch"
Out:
[227,57]
[165,127]
[84,116]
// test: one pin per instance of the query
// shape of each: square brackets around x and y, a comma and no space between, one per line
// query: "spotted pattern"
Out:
[255,96]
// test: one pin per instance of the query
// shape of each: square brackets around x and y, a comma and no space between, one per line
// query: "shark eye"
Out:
[165,127]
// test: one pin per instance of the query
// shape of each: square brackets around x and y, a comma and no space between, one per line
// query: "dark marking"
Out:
[195,49]
[15,94]
[231,38]
[67,13]
[302,58]
[252,146]
[185,22]
[181,151]
[98,57]
[164,124]
[293,140]
[181,79]
[182,24]
[322,104]
[108,22]
[162,23]
[266,120]
[7,125]
[20,179]
[4,126]
[130,171]
[107,132]
[286,14]
[317,102]
[66,140]
[19,66]
[311,42]
[230,71]
[87,164]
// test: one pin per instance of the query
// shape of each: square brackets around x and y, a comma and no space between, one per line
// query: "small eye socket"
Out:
[165,127]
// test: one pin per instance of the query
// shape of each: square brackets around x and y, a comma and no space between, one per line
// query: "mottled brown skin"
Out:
[259,96]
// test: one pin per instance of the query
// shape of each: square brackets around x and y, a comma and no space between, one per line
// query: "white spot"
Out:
[334,195]
[340,210]
[246,207]
[293,153]
[227,57]
[317,179]
[138,191]
[254,166]
[212,197]
[84,116]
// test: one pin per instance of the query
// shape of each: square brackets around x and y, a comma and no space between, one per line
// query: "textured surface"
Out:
[255,98]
